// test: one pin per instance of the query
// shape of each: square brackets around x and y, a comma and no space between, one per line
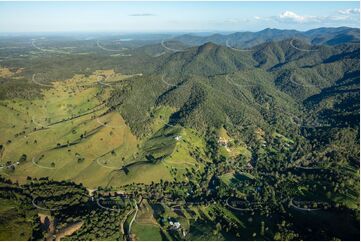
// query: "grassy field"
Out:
[65,132]
[147,232]
[145,226]
[69,134]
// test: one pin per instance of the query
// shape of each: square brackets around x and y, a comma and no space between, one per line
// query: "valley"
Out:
[180,137]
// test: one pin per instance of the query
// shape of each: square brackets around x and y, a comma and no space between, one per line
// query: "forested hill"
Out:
[213,85]
[320,36]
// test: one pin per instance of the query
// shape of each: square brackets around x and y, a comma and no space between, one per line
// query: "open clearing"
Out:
[69,133]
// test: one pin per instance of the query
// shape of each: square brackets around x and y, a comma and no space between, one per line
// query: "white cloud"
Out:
[349,11]
[294,17]
[257,17]
[339,17]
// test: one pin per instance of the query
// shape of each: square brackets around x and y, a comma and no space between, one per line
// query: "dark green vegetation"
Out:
[195,140]
[320,36]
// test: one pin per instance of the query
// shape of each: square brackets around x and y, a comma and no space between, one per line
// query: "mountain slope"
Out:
[212,85]
[320,36]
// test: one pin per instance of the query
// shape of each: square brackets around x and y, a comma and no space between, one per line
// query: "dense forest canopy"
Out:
[241,136]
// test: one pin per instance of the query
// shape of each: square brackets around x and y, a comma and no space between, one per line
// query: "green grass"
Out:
[55,105]
[227,178]
[146,232]
[162,143]
[231,178]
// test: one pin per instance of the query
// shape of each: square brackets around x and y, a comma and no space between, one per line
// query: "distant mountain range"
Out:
[210,85]
[320,36]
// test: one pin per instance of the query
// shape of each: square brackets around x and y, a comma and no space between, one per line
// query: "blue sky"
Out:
[174,16]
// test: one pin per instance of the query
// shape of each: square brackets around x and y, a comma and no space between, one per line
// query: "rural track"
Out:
[120,51]
[304,209]
[38,83]
[135,215]
[300,49]
[236,49]
[123,221]
[167,83]
[238,209]
[170,49]
[108,49]
[42,208]
[49,50]
[299,84]
[40,166]
[106,208]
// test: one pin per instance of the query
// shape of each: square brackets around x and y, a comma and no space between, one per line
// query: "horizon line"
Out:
[167,31]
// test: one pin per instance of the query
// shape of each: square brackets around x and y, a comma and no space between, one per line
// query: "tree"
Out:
[150,158]
[22,158]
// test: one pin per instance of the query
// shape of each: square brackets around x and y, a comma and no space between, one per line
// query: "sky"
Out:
[174,16]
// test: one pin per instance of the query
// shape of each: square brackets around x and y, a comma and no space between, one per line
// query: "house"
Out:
[178,137]
[175,225]
[222,142]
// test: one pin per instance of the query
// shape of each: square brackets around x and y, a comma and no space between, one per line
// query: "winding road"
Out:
[42,208]
[38,83]
[49,50]
[304,209]
[106,208]
[169,84]
[291,43]
[107,49]
[299,84]
[170,49]
[236,84]
[135,215]
[240,50]
[238,209]
[40,166]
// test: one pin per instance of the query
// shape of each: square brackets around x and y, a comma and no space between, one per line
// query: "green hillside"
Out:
[242,136]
